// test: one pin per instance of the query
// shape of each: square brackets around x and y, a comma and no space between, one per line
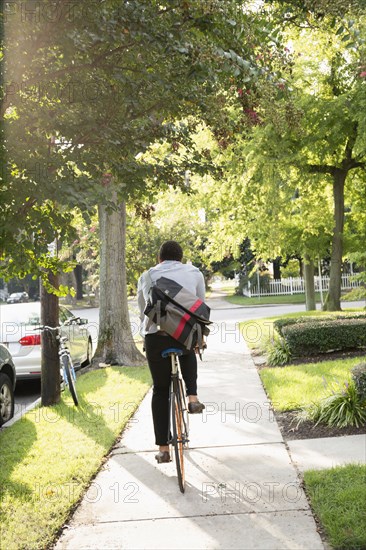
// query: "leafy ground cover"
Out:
[338,499]
[297,385]
[49,457]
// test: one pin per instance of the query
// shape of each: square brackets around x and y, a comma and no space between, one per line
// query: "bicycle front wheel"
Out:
[185,416]
[69,378]
[178,438]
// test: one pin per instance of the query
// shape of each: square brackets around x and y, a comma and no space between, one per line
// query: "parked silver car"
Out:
[17,298]
[18,324]
[7,385]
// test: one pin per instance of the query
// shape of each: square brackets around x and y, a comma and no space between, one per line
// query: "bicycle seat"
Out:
[166,352]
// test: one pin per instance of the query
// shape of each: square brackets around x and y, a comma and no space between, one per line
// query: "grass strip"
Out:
[49,457]
[338,499]
[260,301]
[294,386]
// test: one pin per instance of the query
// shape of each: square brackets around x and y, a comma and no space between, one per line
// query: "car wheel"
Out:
[6,399]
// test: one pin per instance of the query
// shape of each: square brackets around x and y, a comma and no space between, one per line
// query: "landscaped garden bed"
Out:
[291,428]
[304,385]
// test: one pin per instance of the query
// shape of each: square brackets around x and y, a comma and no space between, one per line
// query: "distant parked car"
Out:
[3,294]
[17,298]
[7,385]
[18,332]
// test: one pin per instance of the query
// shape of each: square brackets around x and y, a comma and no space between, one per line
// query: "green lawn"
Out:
[338,498]
[293,386]
[287,299]
[49,457]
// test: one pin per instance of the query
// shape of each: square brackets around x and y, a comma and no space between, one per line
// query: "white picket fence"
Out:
[295,285]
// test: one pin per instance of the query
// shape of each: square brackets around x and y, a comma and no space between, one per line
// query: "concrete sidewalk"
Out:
[242,491]
[328,452]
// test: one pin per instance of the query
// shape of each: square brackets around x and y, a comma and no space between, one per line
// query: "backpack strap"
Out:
[199,336]
[152,313]
[158,313]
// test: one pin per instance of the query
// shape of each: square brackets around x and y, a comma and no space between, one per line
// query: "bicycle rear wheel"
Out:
[70,378]
[178,437]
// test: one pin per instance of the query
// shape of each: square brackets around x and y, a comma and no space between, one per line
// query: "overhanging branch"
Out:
[322,169]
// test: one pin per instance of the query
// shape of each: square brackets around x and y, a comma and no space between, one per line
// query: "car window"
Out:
[27,313]
[17,319]
[65,315]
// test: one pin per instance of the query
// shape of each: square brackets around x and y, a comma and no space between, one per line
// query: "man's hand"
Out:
[197,349]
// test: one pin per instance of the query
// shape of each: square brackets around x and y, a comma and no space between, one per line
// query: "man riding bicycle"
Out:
[170,265]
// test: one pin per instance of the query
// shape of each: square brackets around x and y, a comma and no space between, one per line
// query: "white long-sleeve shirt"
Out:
[187,275]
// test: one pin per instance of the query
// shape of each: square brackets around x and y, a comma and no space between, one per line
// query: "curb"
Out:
[21,413]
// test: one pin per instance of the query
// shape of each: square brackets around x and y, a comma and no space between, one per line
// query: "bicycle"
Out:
[178,428]
[67,370]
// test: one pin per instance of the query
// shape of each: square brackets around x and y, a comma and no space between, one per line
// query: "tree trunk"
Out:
[50,371]
[301,267]
[277,268]
[309,283]
[333,299]
[115,341]
[78,273]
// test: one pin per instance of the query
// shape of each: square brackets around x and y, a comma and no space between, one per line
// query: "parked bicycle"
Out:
[67,370]
[178,429]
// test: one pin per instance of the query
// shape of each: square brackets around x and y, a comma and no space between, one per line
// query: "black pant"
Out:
[160,371]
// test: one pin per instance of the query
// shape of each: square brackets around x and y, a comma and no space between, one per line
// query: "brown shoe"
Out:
[163,456]
[195,407]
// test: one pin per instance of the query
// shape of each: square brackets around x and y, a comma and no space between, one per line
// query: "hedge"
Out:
[311,338]
[279,324]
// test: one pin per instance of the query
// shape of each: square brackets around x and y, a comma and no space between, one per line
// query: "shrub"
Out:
[355,294]
[341,409]
[359,379]
[278,351]
[324,336]
[281,323]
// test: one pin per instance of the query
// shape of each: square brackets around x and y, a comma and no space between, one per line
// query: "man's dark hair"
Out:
[170,250]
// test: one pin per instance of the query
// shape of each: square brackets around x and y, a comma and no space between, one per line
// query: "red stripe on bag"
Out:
[196,305]
[181,325]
